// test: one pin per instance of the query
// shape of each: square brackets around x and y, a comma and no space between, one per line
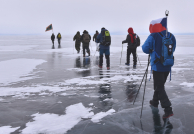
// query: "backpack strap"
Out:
[161,34]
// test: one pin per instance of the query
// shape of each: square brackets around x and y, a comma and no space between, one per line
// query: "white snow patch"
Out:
[22,91]
[91,104]
[7,129]
[187,84]
[17,48]
[17,70]
[82,81]
[58,124]
[97,117]
[78,69]
[1,99]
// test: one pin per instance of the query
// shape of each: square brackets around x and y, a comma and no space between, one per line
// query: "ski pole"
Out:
[142,80]
[121,54]
[166,13]
[139,60]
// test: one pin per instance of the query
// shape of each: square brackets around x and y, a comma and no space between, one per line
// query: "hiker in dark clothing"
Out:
[131,48]
[85,39]
[59,40]
[94,39]
[154,47]
[77,38]
[53,39]
[104,49]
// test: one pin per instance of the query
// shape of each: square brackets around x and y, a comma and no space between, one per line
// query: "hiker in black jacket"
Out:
[131,48]
[85,39]
[53,39]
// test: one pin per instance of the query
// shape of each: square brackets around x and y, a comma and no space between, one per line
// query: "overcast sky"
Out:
[70,16]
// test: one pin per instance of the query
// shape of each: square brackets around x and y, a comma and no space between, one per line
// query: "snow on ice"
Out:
[59,124]
[16,70]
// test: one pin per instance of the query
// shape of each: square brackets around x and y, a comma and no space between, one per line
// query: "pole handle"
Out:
[166,13]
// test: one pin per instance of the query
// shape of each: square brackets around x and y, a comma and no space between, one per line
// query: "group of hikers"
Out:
[104,40]
[58,38]
[160,46]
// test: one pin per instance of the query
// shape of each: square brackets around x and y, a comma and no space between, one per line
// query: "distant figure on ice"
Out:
[94,39]
[77,38]
[161,48]
[53,39]
[104,39]
[85,38]
[132,46]
[59,40]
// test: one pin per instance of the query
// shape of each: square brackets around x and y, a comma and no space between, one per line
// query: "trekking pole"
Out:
[142,79]
[144,94]
[139,60]
[121,54]
[166,13]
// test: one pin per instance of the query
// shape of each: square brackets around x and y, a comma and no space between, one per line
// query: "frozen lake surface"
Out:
[57,91]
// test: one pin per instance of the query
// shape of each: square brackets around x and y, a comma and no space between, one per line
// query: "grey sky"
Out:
[69,16]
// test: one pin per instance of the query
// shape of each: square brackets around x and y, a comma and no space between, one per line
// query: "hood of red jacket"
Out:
[130,30]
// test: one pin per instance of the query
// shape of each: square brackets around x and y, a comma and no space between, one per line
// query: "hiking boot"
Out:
[167,115]
[100,67]
[168,112]
[127,64]
[83,55]
[134,65]
[153,104]
[108,68]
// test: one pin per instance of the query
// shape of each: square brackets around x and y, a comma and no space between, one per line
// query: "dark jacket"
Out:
[100,39]
[59,36]
[81,39]
[77,38]
[130,44]
[153,45]
[95,36]
[52,37]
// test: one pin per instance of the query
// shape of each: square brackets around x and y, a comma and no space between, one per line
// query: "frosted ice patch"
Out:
[17,48]
[17,70]
[7,129]
[78,69]
[97,117]
[58,123]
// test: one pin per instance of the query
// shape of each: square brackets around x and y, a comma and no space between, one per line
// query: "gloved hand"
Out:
[122,42]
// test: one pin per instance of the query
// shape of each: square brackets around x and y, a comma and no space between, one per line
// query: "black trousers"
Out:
[133,51]
[86,48]
[159,90]
[107,60]
[59,43]
[77,46]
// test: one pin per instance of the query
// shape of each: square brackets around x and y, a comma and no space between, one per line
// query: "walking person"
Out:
[94,39]
[77,38]
[53,39]
[132,47]
[85,39]
[160,45]
[104,39]
[59,40]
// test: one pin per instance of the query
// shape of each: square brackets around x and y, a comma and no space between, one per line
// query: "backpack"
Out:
[166,58]
[106,40]
[137,41]
[59,35]
[86,38]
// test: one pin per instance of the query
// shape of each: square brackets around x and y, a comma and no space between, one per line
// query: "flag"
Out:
[50,27]
[158,25]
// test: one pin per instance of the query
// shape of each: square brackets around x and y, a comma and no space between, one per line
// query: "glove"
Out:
[122,42]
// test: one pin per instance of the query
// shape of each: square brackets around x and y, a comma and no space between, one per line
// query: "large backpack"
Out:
[86,38]
[166,58]
[106,39]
